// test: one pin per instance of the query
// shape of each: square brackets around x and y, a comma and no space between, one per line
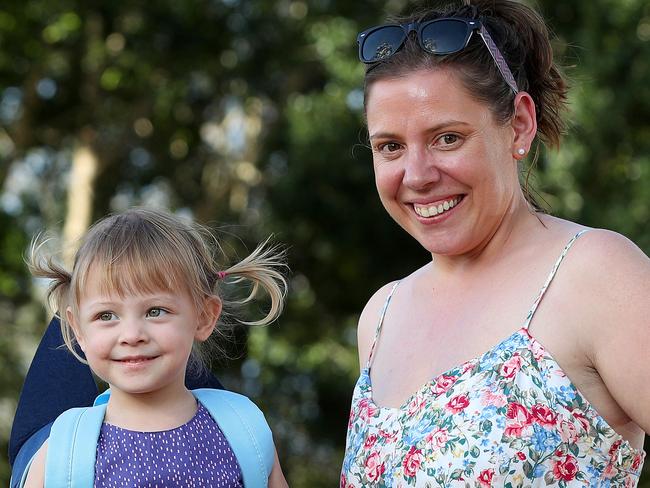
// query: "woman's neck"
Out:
[502,239]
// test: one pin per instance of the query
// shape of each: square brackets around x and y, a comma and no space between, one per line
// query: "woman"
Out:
[519,355]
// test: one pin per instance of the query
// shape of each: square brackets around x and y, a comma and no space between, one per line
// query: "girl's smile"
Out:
[138,343]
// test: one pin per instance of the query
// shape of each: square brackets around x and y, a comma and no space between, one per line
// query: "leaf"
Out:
[549,478]
[528,469]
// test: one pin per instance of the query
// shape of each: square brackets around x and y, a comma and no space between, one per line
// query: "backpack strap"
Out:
[245,428]
[71,464]
[72,448]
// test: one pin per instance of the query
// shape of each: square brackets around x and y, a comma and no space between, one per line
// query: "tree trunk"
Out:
[80,199]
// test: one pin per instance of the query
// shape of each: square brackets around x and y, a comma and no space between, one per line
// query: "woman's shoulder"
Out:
[595,249]
[371,314]
[609,279]
[604,257]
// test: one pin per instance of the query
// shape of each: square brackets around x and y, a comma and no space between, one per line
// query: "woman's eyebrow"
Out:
[434,128]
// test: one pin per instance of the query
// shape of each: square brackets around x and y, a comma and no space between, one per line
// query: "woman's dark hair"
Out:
[523,38]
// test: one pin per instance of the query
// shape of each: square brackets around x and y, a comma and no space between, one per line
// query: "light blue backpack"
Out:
[72,444]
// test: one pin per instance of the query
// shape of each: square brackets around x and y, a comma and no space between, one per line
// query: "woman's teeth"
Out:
[433,210]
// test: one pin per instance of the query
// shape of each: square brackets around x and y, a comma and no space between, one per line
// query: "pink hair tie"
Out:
[222,274]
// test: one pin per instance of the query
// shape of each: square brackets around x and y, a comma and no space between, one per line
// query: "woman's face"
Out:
[444,168]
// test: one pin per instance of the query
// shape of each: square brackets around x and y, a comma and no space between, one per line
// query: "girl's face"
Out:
[140,344]
[444,169]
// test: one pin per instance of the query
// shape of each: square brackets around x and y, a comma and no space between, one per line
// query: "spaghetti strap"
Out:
[551,275]
[381,322]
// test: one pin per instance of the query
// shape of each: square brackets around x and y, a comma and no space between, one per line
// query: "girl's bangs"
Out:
[134,269]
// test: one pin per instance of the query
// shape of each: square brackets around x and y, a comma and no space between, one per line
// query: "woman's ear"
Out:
[524,125]
[74,325]
[208,317]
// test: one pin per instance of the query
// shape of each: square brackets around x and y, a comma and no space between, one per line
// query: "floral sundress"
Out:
[509,418]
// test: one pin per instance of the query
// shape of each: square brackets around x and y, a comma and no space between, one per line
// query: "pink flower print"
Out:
[568,432]
[517,419]
[443,383]
[537,350]
[458,403]
[366,409]
[437,438]
[416,404]
[370,441]
[521,456]
[610,471]
[373,467]
[485,477]
[511,367]
[613,450]
[388,436]
[543,415]
[467,366]
[565,469]
[344,481]
[582,420]
[637,461]
[491,398]
[630,482]
[412,461]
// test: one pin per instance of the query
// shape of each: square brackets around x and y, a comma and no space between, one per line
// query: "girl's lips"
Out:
[135,359]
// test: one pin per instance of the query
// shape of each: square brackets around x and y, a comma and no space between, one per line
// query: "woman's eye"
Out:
[389,147]
[448,139]
[155,312]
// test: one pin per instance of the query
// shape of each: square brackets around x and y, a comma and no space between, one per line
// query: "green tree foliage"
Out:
[250,113]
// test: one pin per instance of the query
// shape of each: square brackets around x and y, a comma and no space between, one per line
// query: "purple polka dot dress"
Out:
[195,454]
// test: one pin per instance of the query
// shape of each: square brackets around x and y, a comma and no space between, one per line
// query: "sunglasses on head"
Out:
[439,36]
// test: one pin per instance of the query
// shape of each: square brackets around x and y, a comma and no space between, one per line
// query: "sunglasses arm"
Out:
[498,59]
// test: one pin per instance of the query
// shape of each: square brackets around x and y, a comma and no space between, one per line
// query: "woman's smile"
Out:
[436,208]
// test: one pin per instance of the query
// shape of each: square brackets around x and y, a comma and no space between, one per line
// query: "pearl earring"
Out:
[521,151]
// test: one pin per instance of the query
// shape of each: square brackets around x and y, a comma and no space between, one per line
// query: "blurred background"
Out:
[247,115]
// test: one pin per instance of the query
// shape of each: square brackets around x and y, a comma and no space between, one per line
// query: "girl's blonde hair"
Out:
[145,251]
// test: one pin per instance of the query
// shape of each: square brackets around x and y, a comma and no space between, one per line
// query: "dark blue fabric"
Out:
[26,452]
[55,382]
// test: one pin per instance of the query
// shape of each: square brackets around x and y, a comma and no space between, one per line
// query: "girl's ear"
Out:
[208,318]
[74,325]
[524,124]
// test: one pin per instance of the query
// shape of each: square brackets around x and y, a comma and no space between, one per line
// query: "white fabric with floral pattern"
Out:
[509,418]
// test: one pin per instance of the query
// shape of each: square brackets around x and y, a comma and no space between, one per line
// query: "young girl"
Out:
[144,288]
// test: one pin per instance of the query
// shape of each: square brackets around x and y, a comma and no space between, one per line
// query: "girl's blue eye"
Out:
[155,312]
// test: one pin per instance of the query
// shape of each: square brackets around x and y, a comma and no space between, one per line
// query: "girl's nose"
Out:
[133,331]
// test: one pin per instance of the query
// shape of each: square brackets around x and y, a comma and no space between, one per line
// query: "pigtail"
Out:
[263,268]
[58,292]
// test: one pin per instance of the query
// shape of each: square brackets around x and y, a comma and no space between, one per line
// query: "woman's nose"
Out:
[420,169]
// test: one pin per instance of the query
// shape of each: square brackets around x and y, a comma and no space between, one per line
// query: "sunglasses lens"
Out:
[444,36]
[381,43]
